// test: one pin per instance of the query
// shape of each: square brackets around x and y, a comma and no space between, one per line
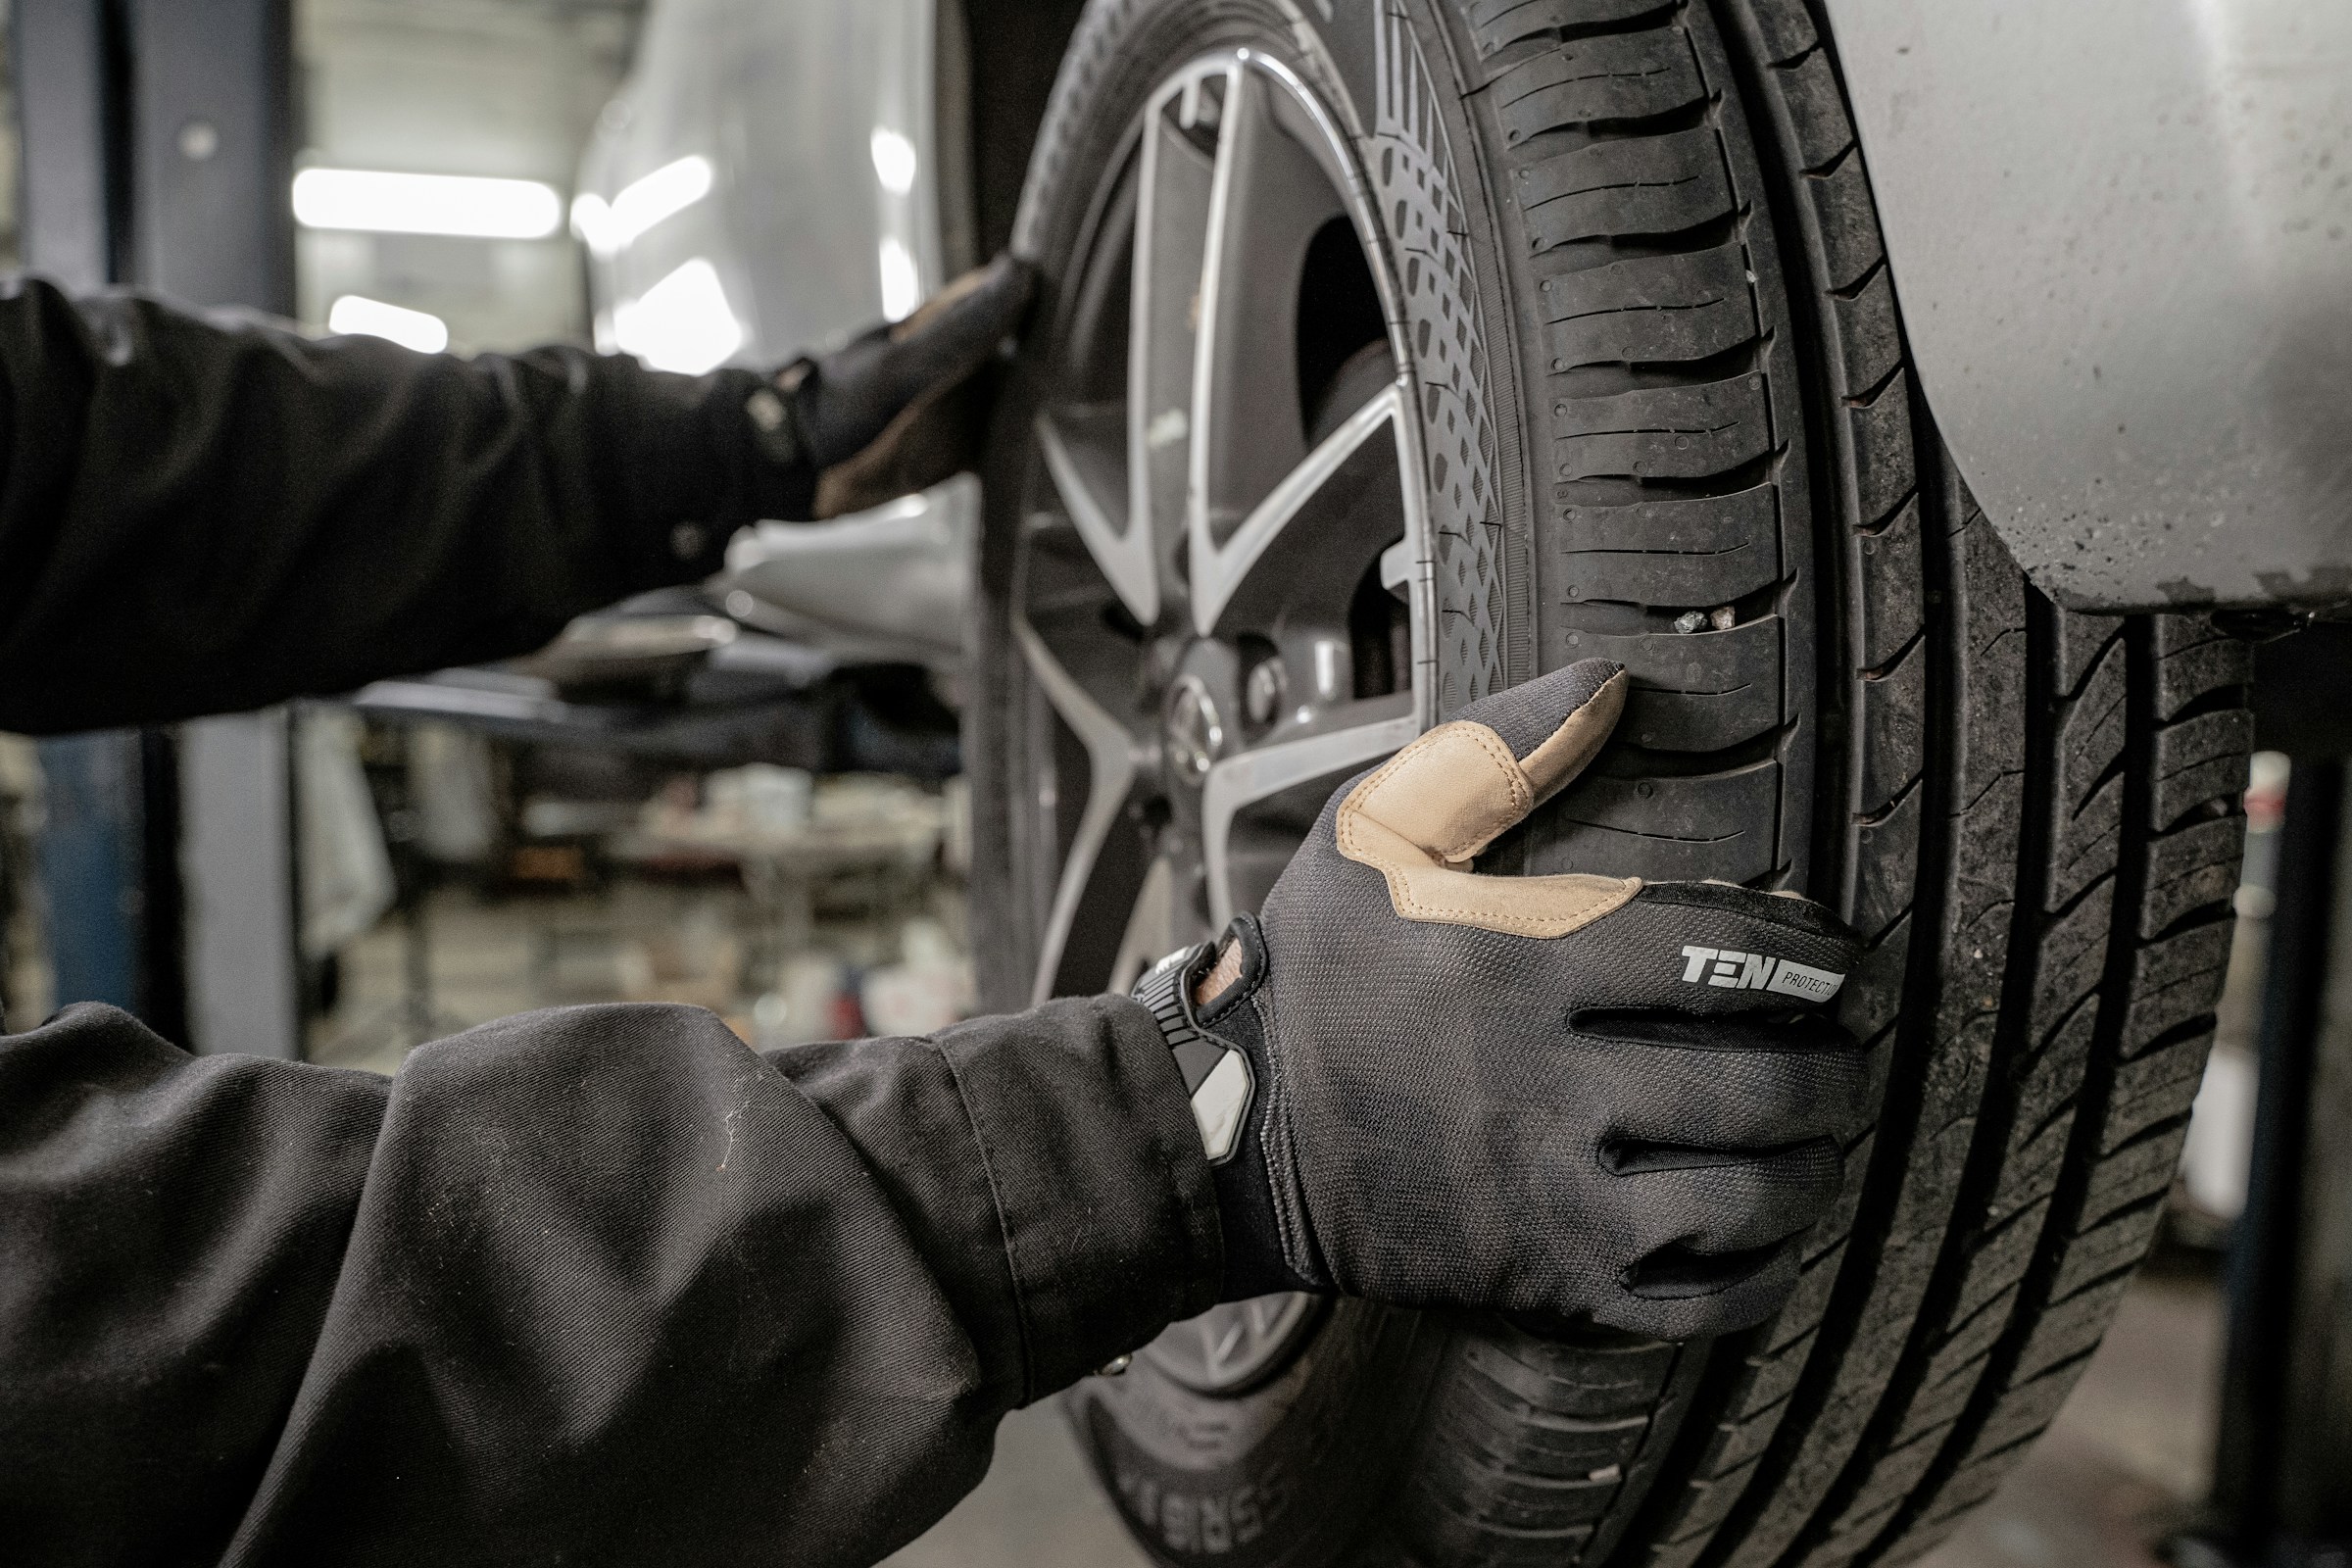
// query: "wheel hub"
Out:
[1194,729]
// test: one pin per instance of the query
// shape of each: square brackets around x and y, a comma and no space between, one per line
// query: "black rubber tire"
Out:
[1665,374]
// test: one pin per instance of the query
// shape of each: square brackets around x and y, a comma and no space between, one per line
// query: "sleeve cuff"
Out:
[695,470]
[1109,1211]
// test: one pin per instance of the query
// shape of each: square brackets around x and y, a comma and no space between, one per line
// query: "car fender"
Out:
[2120,233]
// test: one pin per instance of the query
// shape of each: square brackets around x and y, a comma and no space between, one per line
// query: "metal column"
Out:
[158,151]
[212,137]
[108,855]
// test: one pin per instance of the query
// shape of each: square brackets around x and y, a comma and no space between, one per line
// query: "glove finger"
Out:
[1722,1097]
[1711,949]
[1696,1228]
[855,395]
[1741,1304]
[1557,723]
[1451,792]
[932,440]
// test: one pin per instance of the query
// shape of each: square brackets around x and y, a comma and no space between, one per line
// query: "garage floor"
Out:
[2128,1457]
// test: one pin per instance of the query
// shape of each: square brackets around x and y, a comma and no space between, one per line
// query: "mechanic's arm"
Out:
[593,1285]
[605,1286]
[200,515]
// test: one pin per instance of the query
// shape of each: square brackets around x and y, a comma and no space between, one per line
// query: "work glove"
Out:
[1574,1096]
[894,412]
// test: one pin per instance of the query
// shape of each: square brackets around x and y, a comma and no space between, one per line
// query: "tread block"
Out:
[1713,1503]
[2200,759]
[1848,220]
[1695,693]
[2176,981]
[1722,825]
[2191,664]
[2118,1242]
[1788,32]
[1873,992]
[2072,1327]
[2155,1088]
[1610,76]
[1870,334]
[1667,432]
[1816,110]
[2083,843]
[1892,725]
[1653,309]
[1532,1443]
[1994,1268]
[1772,1378]
[1696,550]
[2074,954]
[1885,859]
[1889,613]
[1891,1482]
[2047,1079]
[1444,1534]
[1992,662]
[2132,1174]
[2192,869]
[1883,470]
[1499,23]
[1582,1381]
[1640,185]
[1980,885]
[2082,642]
[2086,807]
[2090,730]
[1747,1440]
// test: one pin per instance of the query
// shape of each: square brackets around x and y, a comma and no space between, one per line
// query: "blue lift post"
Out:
[157,143]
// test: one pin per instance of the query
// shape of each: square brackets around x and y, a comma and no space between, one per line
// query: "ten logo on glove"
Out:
[1575,1094]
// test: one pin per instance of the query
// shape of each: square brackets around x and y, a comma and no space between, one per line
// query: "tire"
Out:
[1662,377]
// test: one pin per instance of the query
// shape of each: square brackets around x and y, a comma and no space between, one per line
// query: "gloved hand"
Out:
[890,414]
[1570,1094]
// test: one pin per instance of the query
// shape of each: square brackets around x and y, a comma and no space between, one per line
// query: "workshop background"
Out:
[792,859]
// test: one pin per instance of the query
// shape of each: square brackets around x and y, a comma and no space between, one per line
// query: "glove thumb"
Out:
[1459,787]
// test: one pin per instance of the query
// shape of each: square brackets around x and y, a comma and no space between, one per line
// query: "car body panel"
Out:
[836,184]
[2120,231]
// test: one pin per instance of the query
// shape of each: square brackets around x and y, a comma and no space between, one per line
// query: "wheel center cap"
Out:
[1196,731]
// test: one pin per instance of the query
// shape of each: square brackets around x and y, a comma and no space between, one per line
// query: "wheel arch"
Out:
[2128,347]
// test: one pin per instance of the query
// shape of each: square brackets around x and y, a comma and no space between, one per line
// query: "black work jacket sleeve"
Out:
[203,514]
[596,1286]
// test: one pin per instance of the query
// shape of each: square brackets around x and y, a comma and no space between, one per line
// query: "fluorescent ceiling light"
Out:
[462,205]
[609,228]
[895,161]
[901,285]
[681,323]
[357,316]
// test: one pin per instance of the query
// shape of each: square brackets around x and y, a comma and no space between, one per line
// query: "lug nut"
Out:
[1261,695]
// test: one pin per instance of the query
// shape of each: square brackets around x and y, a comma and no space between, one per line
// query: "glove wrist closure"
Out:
[1221,1052]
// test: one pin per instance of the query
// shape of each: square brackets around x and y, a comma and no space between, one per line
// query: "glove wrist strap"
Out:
[1218,1075]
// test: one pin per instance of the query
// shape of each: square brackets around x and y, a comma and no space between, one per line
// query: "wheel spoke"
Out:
[1123,555]
[1241,781]
[1111,777]
[1176,174]
[1217,572]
